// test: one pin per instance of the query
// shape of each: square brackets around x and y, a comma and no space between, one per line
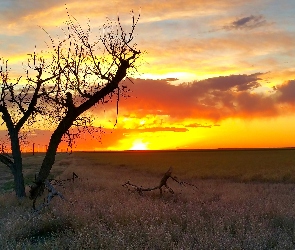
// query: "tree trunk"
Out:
[49,158]
[19,185]
[55,139]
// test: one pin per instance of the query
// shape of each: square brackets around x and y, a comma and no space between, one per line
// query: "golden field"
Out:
[274,165]
[243,200]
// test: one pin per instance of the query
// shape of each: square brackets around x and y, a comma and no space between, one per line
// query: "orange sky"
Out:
[218,74]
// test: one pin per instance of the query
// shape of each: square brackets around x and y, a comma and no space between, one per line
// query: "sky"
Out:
[214,74]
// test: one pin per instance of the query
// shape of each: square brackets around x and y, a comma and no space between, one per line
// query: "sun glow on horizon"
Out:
[139,145]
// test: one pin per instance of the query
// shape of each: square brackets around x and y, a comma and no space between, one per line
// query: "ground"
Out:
[238,211]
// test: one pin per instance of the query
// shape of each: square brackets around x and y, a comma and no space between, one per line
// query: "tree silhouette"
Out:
[92,69]
[19,107]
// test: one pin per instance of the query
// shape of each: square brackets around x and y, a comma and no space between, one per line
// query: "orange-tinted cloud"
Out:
[287,92]
[214,98]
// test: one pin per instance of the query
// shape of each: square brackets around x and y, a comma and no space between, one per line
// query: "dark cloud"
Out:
[197,125]
[287,92]
[215,98]
[171,79]
[234,82]
[255,105]
[249,22]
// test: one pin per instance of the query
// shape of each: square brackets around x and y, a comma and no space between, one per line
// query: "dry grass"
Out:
[31,166]
[100,214]
[273,165]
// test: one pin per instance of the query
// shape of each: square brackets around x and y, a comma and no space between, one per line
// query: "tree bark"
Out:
[17,171]
[17,166]
[49,158]
[19,185]
[55,139]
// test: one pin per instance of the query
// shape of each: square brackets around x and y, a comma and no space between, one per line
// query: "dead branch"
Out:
[6,159]
[52,192]
[163,183]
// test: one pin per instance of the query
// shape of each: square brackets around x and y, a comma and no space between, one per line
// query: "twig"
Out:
[163,183]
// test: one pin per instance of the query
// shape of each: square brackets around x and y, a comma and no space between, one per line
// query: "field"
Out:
[273,165]
[31,165]
[244,200]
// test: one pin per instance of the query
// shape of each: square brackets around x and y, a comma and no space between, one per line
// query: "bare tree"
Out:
[92,70]
[18,108]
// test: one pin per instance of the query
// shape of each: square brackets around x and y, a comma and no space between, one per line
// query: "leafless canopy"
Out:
[91,66]
[19,108]
[19,95]
[91,72]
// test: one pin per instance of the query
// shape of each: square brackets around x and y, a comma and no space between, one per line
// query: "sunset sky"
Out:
[215,74]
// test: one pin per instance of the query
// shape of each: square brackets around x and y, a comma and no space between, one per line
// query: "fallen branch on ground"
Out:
[51,193]
[39,188]
[163,183]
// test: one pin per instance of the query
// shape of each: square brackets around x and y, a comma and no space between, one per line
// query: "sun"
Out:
[139,145]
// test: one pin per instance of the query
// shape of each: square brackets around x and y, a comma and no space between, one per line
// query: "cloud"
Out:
[215,98]
[286,92]
[246,23]
[20,13]
[153,129]
[224,83]
[161,129]
[197,125]
[173,34]
[171,79]
[266,50]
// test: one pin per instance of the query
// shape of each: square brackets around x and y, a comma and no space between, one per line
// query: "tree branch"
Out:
[163,183]
[52,192]
[31,108]
[7,161]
